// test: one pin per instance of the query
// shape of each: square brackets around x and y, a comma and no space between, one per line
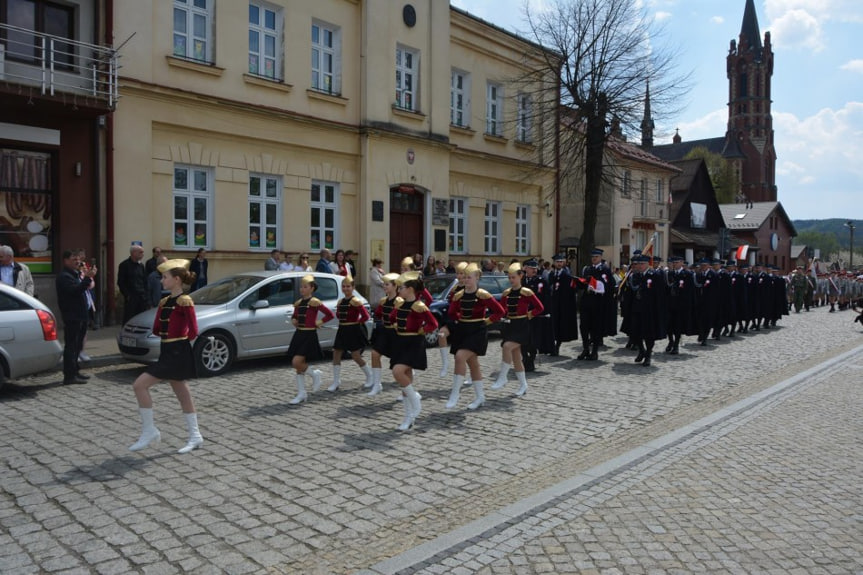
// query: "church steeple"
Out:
[647,124]
[749,138]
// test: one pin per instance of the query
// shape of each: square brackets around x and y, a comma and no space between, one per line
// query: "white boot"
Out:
[195,438]
[301,389]
[149,433]
[369,379]
[501,377]
[522,379]
[413,406]
[480,396]
[444,360]
[376,382]
[457,381]
[316,379]
[337,378]
[467,381]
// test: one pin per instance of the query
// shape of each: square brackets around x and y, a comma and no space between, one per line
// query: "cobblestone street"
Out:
[600,459]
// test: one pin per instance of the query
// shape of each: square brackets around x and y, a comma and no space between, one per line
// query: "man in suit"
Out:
[133,283]
[74,309]
[272,263]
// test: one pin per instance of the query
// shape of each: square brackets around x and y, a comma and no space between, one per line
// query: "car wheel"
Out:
[214,353]
[2,373]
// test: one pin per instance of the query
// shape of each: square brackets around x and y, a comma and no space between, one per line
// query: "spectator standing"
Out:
[199,267]
[272,263]
[155,293]
[340,266]
[132,283]
[349,260]
[376,281]
[72,300]
[13,273]
[303,265]
[323,265]
[429,269]
[153,262]
[287,265]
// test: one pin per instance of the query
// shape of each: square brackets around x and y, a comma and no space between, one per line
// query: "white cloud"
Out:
[661,16]
[717,20]
[853,66]
[710,126]
[797,29]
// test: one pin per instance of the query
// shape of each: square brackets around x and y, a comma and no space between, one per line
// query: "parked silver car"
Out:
[239,317]
[28,335]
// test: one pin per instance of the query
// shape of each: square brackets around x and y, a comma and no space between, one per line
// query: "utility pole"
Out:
[850,225]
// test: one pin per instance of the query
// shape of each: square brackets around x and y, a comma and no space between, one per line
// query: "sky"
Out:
[817,87]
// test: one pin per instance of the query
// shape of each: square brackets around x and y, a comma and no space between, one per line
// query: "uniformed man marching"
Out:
[596,285]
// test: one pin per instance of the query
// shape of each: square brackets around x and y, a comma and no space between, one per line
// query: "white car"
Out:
[239,317]
[28,335]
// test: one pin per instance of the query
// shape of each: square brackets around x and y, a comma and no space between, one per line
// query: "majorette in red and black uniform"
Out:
[385,330]
[305,340]
[521,306]
[176,325]
[471,313]
[412,319]
[352,315]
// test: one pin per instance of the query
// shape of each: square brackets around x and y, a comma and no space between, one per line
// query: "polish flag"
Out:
[742,252]
[596,286]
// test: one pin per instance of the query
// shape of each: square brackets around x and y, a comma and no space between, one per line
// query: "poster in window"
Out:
[26,206]
[699,215]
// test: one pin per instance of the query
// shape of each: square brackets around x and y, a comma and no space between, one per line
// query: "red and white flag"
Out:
[742,253]
[596,286]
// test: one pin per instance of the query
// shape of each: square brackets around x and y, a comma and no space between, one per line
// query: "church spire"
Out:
[647,124]
[749,30]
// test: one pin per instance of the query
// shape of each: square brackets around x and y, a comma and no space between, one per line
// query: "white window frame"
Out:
[523,120]
[323,207]
[626,191]
[323,80]
[266,203]
[190,13]
[522,229]
[199,186]
[461,106]
[491,228]
[265,32]
[407,68]
[494,109]
[644,200]
[660,191]
[458,209]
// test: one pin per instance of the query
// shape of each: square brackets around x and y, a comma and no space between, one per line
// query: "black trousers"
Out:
[74,332]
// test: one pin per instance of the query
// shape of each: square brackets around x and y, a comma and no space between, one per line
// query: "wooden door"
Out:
[406,224]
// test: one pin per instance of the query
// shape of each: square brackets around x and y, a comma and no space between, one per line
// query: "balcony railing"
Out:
[58,65]
[650,210]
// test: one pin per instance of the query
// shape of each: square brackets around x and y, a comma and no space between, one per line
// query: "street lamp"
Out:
[850,225]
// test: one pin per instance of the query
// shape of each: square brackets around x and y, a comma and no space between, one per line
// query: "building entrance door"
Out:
[406,224]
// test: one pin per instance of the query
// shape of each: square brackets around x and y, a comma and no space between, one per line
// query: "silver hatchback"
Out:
[239,317]
[28,335]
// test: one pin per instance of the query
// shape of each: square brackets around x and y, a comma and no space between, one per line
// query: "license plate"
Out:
[128,341]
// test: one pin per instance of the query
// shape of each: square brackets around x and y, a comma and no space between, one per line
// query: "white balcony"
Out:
[55,66]
[647,210]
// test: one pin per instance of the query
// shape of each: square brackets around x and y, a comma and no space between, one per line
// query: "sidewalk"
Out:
[101,346]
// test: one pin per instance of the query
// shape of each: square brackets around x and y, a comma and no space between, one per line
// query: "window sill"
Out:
[265,82]
[326,97]
[494,138]
[202,67]
[463,130]
[409,114]
[525,144]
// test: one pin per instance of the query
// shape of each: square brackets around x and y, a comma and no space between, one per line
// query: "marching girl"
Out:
[471,311]
[521,306]
[177,326]
[351,334]
[412,319]
[408,265]
[444,333]
[385,330]
[304,344]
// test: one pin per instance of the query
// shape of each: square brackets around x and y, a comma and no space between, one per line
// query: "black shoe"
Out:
[704,342]
[583,355]
[594,353]
[83,376]
[640,357]
[646,362]
[674,350]
[669,347]
[74,380]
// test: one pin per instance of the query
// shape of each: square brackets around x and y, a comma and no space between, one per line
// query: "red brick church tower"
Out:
[750,123]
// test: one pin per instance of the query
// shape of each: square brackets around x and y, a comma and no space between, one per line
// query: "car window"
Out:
[491,284]
[276,293]
[224,290]
[437,286]
[9,303]
[327,289]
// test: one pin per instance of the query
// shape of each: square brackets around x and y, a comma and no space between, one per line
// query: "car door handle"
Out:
[250,322]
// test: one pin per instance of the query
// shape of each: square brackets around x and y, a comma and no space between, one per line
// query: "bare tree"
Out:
[602,54]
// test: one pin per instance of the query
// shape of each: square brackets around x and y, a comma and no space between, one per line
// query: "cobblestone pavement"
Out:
[330,487]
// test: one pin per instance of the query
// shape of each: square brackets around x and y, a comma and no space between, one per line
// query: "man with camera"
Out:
[72,285]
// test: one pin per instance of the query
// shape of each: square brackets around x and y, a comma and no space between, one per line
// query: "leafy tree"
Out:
[602,54]
[827,243]
[720,170]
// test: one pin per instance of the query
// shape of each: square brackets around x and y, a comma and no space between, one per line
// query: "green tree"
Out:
[721,173]
[827,243]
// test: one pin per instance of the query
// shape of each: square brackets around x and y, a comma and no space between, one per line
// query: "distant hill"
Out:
[833,227]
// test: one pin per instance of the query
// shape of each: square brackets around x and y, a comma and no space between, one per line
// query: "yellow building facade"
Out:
[384,127]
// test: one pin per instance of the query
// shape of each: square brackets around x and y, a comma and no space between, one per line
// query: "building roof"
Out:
[679,150]
[797,251]
[751,216]
[701,239]
[631,151]
[749,29]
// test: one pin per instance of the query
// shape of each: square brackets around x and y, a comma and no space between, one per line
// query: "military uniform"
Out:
[596,288]
[647,323]
[541,337]
[562,306]
[681,304]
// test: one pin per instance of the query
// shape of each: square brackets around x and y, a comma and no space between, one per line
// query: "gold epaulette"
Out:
[163,300]
[419,307]
[315,302]
[482,294]
[458,296]
[356,302]
[383,300]
[185,300]
[527,292]
[505,293]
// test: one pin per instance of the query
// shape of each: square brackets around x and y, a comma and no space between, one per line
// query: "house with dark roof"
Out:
[766,228]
